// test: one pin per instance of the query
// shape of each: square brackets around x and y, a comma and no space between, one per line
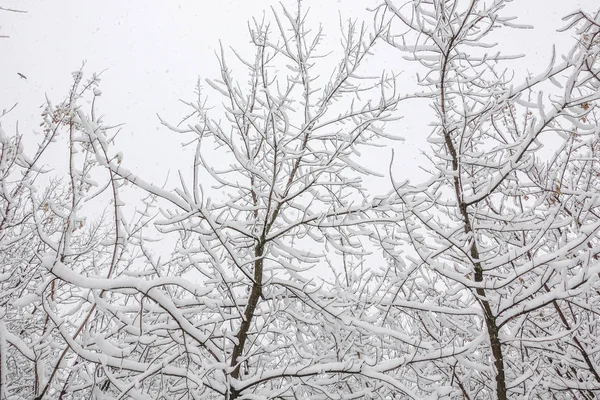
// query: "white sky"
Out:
[154,52]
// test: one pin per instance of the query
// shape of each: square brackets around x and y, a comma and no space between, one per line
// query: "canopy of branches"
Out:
[274,273]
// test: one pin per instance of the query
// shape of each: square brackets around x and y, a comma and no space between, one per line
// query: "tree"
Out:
[230,313]
[40,223]
[252,279]
[503,291]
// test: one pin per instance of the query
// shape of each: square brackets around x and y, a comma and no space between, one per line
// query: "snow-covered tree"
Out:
[501,289]
[234,311]
[252,277]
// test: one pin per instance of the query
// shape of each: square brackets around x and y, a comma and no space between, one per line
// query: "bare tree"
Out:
[233,313]
[503,288]
[47,223]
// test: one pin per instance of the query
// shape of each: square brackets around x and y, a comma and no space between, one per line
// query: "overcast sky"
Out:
[154,51]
